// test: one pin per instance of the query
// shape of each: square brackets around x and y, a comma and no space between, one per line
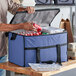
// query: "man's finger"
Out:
[30,10]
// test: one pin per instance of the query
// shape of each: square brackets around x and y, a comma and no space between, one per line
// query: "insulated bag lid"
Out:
[42,17]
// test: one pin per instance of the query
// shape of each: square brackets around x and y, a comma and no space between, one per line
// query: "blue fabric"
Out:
[18,55]
[46,40]
[16,50]
[3,59]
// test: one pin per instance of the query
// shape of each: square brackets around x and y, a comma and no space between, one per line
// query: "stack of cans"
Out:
[29,33]
[72,51]
[32,33]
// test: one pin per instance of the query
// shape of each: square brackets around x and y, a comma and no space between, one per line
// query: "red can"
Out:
[39,33]
[31,34]
[37,27]
[25,34]
[34,34]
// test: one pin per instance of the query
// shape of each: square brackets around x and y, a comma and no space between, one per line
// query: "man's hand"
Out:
[28,26]
[11,27]
[30,10]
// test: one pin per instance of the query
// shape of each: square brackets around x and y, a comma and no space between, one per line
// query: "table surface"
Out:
[28,71]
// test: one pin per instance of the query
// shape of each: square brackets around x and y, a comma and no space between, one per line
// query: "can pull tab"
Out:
[13,37]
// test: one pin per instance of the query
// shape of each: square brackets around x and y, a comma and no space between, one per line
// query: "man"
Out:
[9,5]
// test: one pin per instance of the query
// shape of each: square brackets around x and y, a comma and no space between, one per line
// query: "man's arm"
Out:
[13,7]
[30,10]
[11,27]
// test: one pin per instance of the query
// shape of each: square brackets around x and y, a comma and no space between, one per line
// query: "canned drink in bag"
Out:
[39,33]
[37,27]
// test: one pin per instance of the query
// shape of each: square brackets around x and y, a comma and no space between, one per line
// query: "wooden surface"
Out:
[28,71]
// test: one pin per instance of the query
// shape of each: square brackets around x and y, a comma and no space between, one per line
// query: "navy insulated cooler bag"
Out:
[37,49]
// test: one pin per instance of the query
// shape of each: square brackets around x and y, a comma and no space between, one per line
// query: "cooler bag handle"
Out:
[7,34]
[58,54]
[13,37]
[43,2]
[38,52]
[63,0]
[49,62]
[38,57]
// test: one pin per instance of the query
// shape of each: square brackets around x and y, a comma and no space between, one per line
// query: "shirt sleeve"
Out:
[13,6]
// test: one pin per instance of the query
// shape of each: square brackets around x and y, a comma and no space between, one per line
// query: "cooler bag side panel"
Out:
[16,50]
[51,53]
[63,39]
[48,54]
[64,53]
[45,40]
[30,57]
[45,55]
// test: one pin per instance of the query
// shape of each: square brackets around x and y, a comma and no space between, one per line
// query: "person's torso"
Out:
[3,10]
[3,19]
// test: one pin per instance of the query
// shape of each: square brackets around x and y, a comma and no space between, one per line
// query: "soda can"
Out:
[37,27]
[39,33]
